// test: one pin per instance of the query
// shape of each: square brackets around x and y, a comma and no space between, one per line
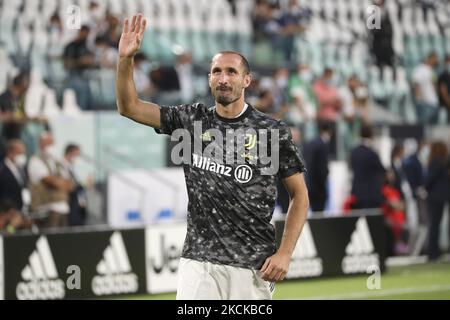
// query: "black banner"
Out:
[74,265]
[335,246]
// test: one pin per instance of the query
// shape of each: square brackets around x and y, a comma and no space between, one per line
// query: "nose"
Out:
[223,79]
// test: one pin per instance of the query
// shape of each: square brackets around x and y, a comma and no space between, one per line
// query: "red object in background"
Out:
[348,204]
[395,217]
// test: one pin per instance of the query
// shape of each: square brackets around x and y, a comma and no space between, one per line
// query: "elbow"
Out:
[124,108]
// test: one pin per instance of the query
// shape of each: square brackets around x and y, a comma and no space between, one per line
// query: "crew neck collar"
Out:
[241,116]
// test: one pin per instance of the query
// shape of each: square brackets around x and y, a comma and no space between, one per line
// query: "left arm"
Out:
[276,266]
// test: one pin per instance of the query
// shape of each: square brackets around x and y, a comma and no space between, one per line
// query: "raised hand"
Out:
[131,38]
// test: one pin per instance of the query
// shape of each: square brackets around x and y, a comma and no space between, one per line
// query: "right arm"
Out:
[128,103]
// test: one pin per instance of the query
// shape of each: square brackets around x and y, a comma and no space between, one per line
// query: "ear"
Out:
[247,80]
[209,79]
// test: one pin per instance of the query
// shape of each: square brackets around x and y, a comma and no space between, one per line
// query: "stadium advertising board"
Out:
[337,246]
[163,249]
[74,265]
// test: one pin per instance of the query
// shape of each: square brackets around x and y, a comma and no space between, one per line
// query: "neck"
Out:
[232,110]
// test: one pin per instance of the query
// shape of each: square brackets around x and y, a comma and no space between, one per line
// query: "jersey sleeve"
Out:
[290,161]
[177,117]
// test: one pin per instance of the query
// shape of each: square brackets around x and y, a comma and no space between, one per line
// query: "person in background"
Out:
[437,184]
[393,208]
[301,95]
[329,103]
[13,181]
[381,39]
[77,60]
[12,219]
[77,197]
[424,90]
[444,88]
[48,186]
[12,107]
[368,173]
[316,160]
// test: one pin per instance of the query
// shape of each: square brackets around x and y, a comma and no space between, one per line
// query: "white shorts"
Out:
[208,281]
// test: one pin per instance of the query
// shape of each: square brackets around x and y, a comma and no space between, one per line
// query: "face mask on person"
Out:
[424,154]
[282,82]
[20,160]
[50,151]
[306,76]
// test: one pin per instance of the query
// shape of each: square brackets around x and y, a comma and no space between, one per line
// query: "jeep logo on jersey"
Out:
[243,173]
[360,250]
[40,275]
[115,271]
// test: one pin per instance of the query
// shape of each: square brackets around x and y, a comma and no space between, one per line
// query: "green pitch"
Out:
[424,281]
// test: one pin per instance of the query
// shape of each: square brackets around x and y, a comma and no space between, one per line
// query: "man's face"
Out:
[72,156]
[228,78]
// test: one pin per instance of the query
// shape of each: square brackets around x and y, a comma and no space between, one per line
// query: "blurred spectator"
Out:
[13,181]
[278,86]
[49,188]
[381,39]
[184,69]
[444,88]
[141,75]
[264,102]
[437,183]
[77,197]
[327,96]
[283,196]
[424,89]
[105,56]
[315,153]
[261,16]
[329,104]
[413,169]
[368,173]
[77,60]
[285,25]
[56,41]
[12,107]
[301,94]
[397,168]
[113,30]
[12,220]
[355,97]
[394,214]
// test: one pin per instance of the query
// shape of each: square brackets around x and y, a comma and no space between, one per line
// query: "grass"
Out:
[424,281]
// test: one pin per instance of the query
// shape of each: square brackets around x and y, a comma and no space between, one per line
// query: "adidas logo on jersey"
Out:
[360,250]
[40,275]
[304,261]
[115,271]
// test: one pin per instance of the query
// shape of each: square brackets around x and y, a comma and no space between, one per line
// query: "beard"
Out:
[225,97]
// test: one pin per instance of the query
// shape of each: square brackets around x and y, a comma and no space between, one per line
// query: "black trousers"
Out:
[435,213]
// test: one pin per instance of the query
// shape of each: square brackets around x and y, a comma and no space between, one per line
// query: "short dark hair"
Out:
[366,132]
[70,148]
[325,126]
[20,78]
[244,60]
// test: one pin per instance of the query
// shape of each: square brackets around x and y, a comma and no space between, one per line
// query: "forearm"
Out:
[127,96]
[296,217]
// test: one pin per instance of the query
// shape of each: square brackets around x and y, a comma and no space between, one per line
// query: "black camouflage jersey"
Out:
[230,205]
